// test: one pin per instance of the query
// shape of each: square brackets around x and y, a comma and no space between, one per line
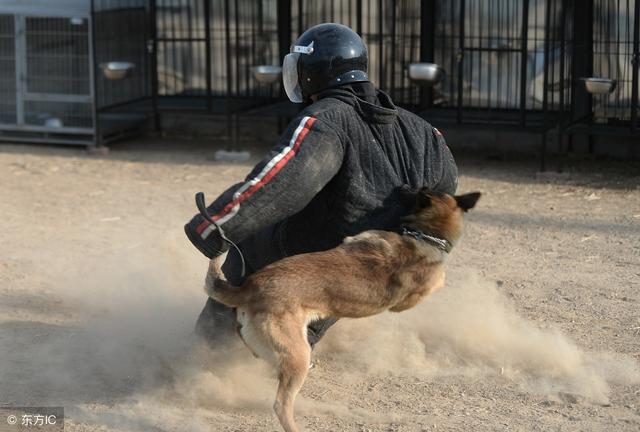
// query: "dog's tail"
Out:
[219,289]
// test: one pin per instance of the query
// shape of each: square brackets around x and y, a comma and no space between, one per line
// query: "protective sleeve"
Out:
[444,164]
[306,158]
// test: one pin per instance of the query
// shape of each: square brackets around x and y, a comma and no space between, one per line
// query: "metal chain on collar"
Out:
[442,244]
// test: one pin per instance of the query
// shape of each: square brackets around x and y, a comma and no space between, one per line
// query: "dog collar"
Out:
[442,244]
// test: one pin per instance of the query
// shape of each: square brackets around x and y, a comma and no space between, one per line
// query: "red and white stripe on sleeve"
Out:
[269,171]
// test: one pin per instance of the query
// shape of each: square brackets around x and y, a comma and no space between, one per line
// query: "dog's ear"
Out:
[468,201]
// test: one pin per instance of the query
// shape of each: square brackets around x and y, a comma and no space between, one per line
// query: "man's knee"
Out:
[215,321]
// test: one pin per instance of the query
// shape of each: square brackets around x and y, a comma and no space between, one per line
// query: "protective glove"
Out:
[212,246]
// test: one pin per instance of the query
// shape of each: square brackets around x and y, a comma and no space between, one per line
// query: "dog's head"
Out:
[436,213]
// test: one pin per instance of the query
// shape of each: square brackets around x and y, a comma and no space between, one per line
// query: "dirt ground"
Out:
[537,329]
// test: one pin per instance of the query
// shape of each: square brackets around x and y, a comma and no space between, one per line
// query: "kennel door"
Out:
[56,85]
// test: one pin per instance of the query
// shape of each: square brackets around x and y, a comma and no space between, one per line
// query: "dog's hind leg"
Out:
[294,355]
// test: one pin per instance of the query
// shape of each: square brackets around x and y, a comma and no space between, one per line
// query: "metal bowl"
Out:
[266,74]
[53,122]
[596,85]
[117,70]
[427,73]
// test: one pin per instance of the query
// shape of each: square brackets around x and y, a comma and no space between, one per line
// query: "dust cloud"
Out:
[124,356]
[469,327]
[121,351]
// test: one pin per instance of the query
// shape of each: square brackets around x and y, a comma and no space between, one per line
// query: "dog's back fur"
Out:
[367,274]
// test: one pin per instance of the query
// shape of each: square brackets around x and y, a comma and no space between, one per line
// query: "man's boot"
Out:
[317,329]
[216,324]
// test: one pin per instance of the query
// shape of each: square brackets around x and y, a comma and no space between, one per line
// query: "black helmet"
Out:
[325,56]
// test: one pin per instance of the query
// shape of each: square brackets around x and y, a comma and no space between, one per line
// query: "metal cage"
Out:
[520,65]
[52,58]
[207,49]
[607,40]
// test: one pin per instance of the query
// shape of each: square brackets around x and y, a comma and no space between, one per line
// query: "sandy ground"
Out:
[538,327]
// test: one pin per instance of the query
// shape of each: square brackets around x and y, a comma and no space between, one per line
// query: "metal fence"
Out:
[502,60]
[206,49]
[614,56]
[489,50]
[57,69]
[122,31]
[605,47]
[8,103]
[52,88]
[515,64]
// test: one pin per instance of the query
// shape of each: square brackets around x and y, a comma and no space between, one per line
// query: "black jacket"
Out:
[332,175]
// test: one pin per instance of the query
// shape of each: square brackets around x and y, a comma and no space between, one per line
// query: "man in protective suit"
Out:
[333,173]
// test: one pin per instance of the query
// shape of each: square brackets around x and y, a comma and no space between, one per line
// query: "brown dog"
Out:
[367,274]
